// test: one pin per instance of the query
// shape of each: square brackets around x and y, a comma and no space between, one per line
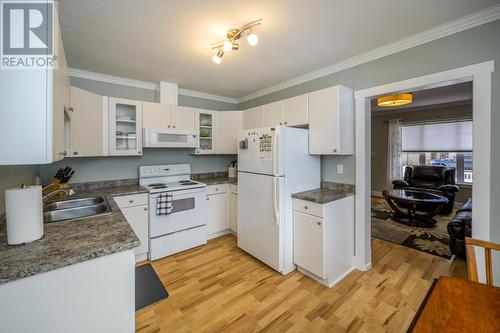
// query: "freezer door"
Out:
[261,151]
[260,218]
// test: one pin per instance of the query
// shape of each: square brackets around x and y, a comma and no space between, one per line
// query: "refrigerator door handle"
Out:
[276,200]
[276,153]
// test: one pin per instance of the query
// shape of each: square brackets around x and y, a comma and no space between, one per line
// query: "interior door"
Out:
[260,217]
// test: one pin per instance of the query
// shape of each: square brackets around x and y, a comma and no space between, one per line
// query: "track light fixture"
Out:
[230,44]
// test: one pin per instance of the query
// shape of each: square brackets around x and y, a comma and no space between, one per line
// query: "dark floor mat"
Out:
[148,287]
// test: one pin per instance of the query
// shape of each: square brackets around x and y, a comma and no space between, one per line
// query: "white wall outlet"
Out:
[340,169]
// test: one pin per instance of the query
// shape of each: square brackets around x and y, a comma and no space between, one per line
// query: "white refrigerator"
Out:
[273,163]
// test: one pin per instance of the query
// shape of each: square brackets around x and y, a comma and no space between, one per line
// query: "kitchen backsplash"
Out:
[89,169]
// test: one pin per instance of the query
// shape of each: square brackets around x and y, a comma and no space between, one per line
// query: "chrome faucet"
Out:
[67,191]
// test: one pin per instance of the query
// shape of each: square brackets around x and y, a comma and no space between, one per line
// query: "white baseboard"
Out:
[325,282]
[218,234]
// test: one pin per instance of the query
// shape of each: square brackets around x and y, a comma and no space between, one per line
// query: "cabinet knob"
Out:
[305,207]
[173,126]
[145,209]
[281,123]
[208,198]
[286,123]
[334,150]
[216,188]
[131,201]
[75,153]
[168,126]
[318,223]
[63,153]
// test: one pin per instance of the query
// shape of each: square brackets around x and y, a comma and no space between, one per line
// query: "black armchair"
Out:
[433,179]
[459,228]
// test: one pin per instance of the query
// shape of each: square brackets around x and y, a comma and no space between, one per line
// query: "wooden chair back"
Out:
[470,243]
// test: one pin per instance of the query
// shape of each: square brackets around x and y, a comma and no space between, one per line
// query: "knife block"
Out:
[53,185]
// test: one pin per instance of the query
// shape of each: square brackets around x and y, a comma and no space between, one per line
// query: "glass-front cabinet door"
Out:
[207,128]
[125,127]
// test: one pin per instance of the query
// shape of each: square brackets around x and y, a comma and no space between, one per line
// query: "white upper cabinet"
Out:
[296,111]
[208,132]
[165,116]
[253,118]
[273,114]
[230,125]
[156,115]
[35,105]
[183,118]
[289,112]
[125,127]
[331,121]
[88,124]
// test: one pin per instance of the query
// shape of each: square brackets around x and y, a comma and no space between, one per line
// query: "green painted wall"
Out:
[116,90]
[109,168]
[468,47]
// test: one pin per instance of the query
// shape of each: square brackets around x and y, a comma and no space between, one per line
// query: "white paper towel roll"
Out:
[24,214]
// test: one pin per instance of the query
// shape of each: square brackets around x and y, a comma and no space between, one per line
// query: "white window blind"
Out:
[438,137]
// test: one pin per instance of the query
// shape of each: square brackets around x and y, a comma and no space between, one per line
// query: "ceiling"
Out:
[453,95]
[157,40]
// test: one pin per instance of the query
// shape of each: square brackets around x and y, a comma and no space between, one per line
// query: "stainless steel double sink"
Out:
[75,208]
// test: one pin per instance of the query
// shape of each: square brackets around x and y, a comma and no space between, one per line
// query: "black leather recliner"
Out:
[459,228]
[433,179]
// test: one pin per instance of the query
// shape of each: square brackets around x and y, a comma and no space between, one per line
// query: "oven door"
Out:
[188,212]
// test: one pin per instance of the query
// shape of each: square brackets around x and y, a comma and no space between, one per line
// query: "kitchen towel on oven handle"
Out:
[164,203]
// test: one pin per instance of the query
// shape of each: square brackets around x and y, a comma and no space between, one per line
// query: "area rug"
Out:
[148,287]
[431,240]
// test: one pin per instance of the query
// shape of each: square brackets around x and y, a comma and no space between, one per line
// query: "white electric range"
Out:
[185,227]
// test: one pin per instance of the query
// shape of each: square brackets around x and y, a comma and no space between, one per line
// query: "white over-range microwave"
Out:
[169,138]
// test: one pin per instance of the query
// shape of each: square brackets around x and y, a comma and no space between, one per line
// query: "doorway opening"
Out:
[480,77]
[422,170]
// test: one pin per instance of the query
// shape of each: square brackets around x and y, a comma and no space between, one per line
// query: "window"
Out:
[462,162]
[440,144]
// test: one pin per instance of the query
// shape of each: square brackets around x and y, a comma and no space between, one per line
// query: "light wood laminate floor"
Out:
[219,288]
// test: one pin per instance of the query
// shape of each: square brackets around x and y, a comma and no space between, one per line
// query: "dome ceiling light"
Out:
[232,36]
[395,100]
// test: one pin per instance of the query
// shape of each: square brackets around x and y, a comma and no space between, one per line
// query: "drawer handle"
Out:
[305,207]
[131,201]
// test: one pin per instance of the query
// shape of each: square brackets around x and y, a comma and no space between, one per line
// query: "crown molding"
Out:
[199,94]
[83,74]
[467,22]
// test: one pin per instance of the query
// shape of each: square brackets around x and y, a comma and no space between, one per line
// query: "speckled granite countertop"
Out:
[215,178]
[73,241]
[328,192]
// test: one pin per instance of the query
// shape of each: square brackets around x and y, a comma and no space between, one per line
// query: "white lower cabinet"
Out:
[309,243]
[135,209]
[324,239]
[217,223]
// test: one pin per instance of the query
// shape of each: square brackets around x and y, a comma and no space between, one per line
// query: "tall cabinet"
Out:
[125,127]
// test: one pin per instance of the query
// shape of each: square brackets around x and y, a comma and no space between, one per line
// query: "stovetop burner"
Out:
[157,184]
[188,182]
[159,187]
